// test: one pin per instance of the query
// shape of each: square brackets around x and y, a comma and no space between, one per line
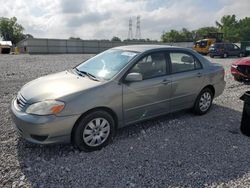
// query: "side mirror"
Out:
[134,77]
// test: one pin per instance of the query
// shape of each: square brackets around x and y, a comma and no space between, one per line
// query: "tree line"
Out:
[234,30]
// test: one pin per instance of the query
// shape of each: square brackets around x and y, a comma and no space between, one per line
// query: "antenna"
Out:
[138,28]
[130,33]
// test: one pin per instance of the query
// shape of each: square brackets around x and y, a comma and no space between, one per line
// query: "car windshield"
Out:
[106,64]
[203,44]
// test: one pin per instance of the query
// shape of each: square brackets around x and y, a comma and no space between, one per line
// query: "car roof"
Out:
[143,48]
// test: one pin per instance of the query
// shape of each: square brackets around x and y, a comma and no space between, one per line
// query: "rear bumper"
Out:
[43,129]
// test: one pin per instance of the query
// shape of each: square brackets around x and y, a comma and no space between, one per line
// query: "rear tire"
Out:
[225,55]
[241,55]
[94,131]
[203,102]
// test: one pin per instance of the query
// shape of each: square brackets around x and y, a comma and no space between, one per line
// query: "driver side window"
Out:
[151,66]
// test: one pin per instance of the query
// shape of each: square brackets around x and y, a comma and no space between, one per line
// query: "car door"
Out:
[187,78]
[236,50]
[150,96]
[230,50]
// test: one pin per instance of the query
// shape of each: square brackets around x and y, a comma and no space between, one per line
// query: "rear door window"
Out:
[182,62]
[236,47]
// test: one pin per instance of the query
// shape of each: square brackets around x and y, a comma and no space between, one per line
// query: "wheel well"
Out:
[211,88]
[106,109]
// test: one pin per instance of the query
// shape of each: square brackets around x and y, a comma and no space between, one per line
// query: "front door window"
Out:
[151,66]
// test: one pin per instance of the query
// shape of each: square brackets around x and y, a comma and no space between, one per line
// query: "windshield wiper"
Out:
[79,72]
[91,76]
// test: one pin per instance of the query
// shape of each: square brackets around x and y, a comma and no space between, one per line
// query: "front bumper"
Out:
[236,72]
[43,129]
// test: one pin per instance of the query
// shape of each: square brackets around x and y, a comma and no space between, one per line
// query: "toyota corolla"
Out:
[85,105]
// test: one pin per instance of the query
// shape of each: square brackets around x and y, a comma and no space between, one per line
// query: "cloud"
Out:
[72,6]
[92,17]
[103,19]
[239,8]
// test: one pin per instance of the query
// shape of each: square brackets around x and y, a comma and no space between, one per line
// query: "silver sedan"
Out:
[121,86]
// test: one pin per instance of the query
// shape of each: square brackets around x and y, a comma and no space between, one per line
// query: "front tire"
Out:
[238,78]
[203,102]
[94,131]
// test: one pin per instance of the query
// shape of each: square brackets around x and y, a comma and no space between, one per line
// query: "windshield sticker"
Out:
[130,54]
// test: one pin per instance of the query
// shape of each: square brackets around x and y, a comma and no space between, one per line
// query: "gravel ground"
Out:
[176,150]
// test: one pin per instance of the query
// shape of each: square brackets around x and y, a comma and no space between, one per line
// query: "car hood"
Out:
[243,61]
[55,86]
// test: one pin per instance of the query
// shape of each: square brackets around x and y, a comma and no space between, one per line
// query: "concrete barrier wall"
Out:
[59,46]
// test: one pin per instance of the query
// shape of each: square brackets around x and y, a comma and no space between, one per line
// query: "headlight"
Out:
[234,66]
[45,107]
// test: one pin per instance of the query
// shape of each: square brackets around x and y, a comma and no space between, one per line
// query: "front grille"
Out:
[244,69]
[21,101]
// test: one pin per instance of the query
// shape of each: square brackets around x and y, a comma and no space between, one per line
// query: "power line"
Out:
[138,28]
[130,33]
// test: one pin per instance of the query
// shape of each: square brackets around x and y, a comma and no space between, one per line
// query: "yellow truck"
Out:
[202,46]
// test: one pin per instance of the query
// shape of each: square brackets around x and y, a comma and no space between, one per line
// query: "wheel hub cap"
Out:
[96,132]
[205,101]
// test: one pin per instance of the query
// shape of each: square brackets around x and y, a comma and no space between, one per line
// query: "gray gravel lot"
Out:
[176,150]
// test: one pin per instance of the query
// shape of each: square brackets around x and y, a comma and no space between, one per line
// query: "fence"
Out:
[59,46]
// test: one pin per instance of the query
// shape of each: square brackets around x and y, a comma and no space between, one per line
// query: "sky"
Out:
[103,19]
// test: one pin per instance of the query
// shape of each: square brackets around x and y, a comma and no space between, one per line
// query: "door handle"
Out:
[165,82]
[199,74]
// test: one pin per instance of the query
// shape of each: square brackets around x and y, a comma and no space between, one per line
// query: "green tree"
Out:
[244,29]
[172,36]
[10,30]
[116,39]
[75,38]
[234,31]
[26,36]
[203,31]
[187,36]
[177,36]
[230,27]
